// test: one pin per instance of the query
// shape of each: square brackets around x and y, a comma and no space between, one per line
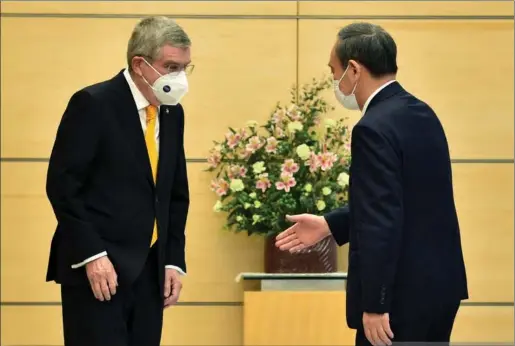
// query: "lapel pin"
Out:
[167,111]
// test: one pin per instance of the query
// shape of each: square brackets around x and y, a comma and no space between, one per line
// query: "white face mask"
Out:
[347,101]
[169,88]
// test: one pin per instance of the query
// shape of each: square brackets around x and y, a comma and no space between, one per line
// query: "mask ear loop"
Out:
[343,75]
[341,78]
[145,80]
[355,85]
[152,67]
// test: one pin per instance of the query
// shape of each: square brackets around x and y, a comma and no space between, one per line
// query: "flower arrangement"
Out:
[292,164]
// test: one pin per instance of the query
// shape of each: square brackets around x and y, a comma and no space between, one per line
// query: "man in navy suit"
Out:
[118,184]
[406,274]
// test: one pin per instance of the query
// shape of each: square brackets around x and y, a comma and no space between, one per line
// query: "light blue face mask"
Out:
[347,101]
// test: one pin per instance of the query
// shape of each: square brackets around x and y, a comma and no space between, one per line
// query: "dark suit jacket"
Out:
[404,242]
[101,189]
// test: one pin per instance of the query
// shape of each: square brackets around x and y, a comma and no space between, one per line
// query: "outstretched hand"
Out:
[307,231]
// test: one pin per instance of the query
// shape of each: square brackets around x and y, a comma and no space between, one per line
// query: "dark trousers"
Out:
[434,325]
[133,317]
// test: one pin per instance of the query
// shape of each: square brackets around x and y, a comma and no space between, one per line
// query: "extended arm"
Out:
[179,206]
[378,209]
[338,221]
[72,155]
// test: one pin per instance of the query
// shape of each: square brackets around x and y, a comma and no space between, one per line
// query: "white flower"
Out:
[237,185]
[343,179]
[303,151]
[320,205]
[217,207]
[294,126]
[256,219]
[252,123]
[329,123]
[259,167]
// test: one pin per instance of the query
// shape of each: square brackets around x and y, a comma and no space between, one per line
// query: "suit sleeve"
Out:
[338,221]
[179,206]
[72,157]
[378,209]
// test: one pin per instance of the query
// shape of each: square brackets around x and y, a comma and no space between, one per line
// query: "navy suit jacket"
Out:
[401,224]
[100,185]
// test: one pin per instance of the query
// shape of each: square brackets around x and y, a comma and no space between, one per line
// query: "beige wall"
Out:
[247,55]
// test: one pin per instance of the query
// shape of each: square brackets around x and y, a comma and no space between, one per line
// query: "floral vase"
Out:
[320,258]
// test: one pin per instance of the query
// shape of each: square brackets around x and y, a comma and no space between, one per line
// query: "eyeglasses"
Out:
[174,68]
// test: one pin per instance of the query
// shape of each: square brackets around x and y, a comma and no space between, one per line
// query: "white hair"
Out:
[151,34]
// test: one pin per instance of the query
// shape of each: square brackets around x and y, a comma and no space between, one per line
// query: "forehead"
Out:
[174,54]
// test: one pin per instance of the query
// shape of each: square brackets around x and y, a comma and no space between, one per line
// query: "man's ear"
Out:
[136,65]
[355,68]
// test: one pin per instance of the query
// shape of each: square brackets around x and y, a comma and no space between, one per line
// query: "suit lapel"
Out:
[167,143]
[128,118]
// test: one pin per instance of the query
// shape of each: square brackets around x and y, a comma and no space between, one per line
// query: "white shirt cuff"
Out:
[92,258]
[176,268]
[102,254]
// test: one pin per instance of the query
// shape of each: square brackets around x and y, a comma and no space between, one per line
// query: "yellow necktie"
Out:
[150,139]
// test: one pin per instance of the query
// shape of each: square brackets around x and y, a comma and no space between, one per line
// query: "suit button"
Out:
[157,200]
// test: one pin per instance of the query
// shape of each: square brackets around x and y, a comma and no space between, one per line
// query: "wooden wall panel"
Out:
[153,7]
[463,68]
[27,225]
[406,8]
[223,325]
[183,325]
[214,256]
[275,7]
[484,200]
[480,324]
[225,88]
[312,318]
[440,63]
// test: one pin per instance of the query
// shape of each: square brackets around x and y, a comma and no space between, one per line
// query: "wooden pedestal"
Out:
[301,311]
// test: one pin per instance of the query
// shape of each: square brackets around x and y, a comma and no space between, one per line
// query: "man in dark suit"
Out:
[118,186]
[406,274]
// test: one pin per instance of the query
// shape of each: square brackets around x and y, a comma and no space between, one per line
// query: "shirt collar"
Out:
[139,99]
[374,94]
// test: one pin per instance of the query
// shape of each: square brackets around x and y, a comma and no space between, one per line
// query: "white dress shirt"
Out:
[374,94]
[141,104]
